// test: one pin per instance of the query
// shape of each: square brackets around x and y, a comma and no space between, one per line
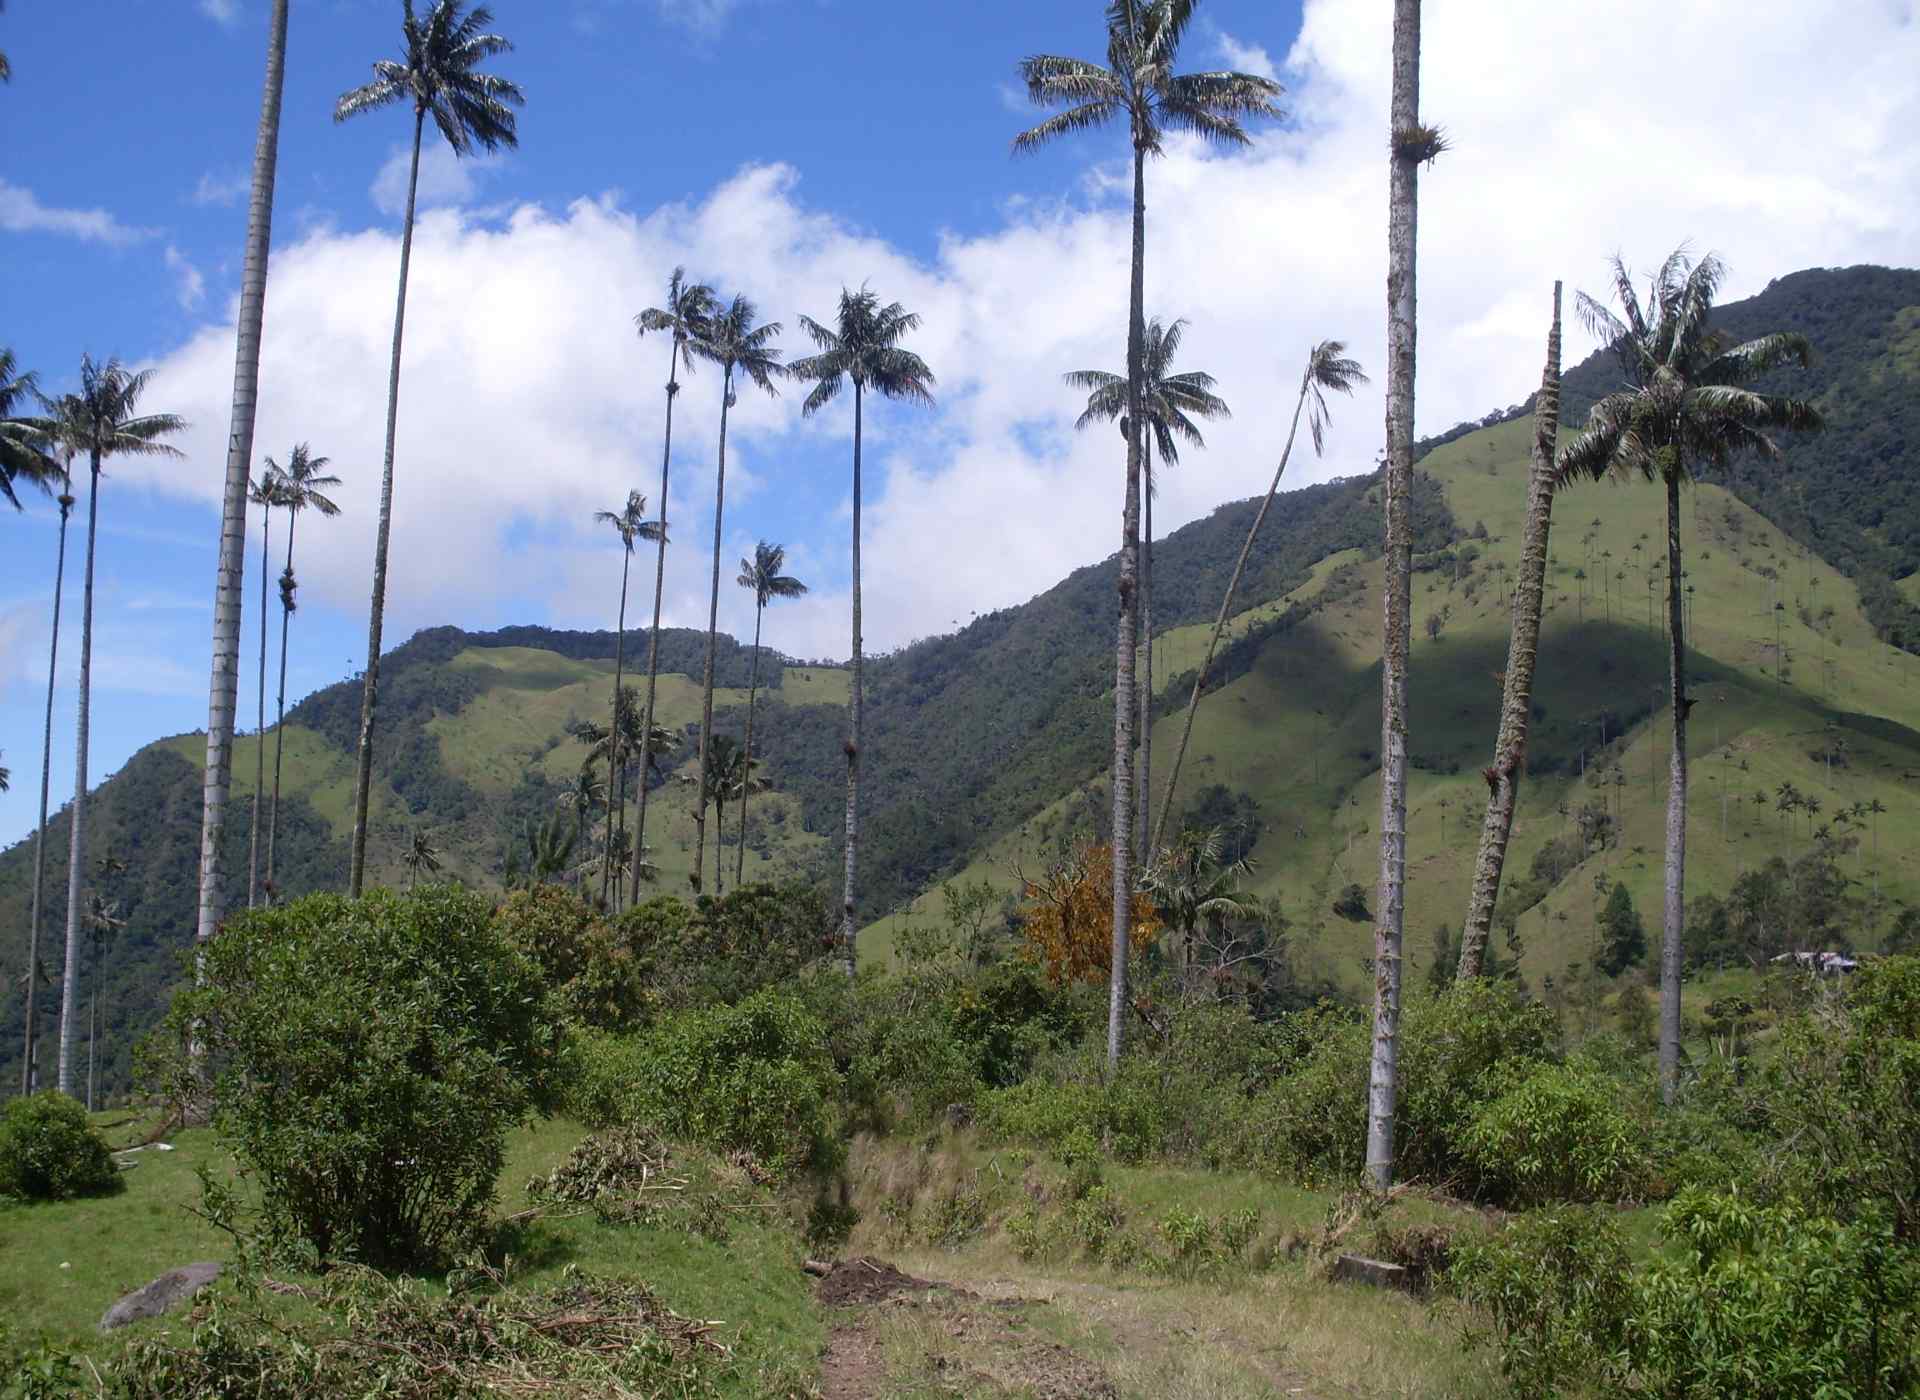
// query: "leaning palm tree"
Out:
[630,523]
[684,320]
[99,422]
[304,484]
[23,452]
[1137,85]
[439,76]
[1684,402]
[863,348]
[1172,402]
[1523,649]
[732,341]
[223,688]
[1327,369]
[265,493]
[761,576]
[1408,145]
[421,854]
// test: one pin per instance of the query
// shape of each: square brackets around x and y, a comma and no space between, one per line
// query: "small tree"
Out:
[1067,916]
[1623,938]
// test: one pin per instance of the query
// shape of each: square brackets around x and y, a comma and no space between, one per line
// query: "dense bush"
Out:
[723,949]
[50,1152]
[1555,1134]
[368,1059]
[754,1077]
[582,958]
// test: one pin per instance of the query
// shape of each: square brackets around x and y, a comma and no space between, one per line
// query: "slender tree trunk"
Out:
[260,728]
[1128,638]
[653,638]
[616,770]
[753,689]
[376,617]
[93,1020]
[847,925]
[1226,608]
[77,827]
[224,686]
[719,833]
[1675,908]
[1145,801]
[280,710]
[1397,573]
[1510,748]
[46,774]
[713,628]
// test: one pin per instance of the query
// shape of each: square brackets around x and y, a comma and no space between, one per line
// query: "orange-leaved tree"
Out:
[1067,913]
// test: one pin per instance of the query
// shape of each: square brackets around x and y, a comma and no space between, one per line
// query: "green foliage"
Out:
[1623,937]
[1557,1134]
[367,1059]
[724,949]
[578,953]
[753,1077]
[50,1152]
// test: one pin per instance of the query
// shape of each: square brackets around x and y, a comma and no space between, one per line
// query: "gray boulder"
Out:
[163,1295]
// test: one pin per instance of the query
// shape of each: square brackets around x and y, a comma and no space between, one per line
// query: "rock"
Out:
[163,1295]
[1354,1268]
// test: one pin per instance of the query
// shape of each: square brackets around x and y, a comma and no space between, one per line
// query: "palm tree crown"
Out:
[23,455]
[690,305]
[761,575]
[1170,401]
[303,482]
[630,521]
[729,338]
[438,76]
[100,421]
[864,346]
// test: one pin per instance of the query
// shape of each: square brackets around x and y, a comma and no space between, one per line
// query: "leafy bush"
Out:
[596,977]
[368,1059]
[1556,1134]
[722,950]
[754,1077]
[50,1152]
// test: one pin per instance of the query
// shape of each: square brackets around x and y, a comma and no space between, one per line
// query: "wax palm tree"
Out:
[713,785]
[264,492]
[1172,402]
[1191,885]
[615,746]
[862,348]
[1684,402]
[421,854]
[1137,85]
[735,781]
[103,920]
[439,76]
[23,450]
[223,685]
[549,852]
[683,320]
[100,422]
[761,576]
[1409,145]
[630,523]
[1523,649]
[304,483]
[733,341]
[1328,370]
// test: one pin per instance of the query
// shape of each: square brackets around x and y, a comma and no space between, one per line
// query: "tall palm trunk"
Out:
[1226,609]
[280,709]
[1145,733]
[77,823]
[753,689]
[1397,574]
[224,686]
[1128,632]
[1676,884]
[713,628]
[616,770]
[1516,703]
[260,730]
[363,775]
[847,929]
[653,638]
[46,774]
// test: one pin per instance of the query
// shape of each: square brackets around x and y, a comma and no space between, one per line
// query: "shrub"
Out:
[1555,1134]
[596,978]
[50,1152]
[368,1060]
[722,950]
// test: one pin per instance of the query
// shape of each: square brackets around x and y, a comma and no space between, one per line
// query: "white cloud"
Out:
[1244,58]
[22,212]
[526,401]
[445,178]
[221,11]
[225,191]
[189,286]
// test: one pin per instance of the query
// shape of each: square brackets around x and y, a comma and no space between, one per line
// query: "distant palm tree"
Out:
[684,320]
[549,852]
[862,347]
[303,486]
[103,920]
[6,70]
[223,681]
[616,746]
[630,523]
[421,854]
[1327,370]
[439,76]
[762,577]
[1685,401]
[725,775]
[1172,402]
[265,493]
[99,422]
[734,780]
[6,777]
[732,341]
[1137,85]
[23,450]
[1191,885]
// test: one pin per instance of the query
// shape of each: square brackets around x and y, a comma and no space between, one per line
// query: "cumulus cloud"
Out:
[527,402]
[22,212]
[223,191]
[445,178]
[1244,58]
[189,286]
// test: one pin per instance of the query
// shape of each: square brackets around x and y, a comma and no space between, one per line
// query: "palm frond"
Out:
[1755,357]
[1085,117]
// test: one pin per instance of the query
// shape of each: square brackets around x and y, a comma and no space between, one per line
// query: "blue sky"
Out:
[785,149]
